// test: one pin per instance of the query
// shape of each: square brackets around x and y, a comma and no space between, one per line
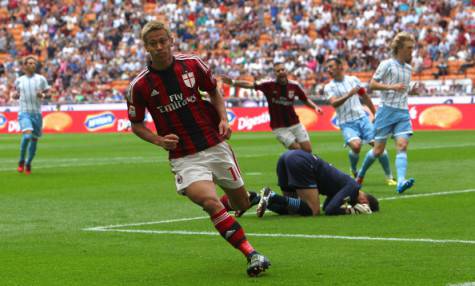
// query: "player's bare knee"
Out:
[356,148]
[401,146]
[377,151]
[306,146]
[315,209]
[212,205]
[294,146]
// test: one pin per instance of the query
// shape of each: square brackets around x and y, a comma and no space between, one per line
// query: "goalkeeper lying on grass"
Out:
[302,177]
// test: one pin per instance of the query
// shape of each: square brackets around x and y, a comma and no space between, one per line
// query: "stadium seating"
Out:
[232,38]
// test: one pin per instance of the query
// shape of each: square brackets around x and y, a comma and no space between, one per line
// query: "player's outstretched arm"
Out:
[167,142]
[238,83]
[312,105]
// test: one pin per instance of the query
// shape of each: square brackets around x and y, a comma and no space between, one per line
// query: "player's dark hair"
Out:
[373,202]
[29,57]
[337,60]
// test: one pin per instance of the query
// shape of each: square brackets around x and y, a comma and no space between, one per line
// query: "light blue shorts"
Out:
[392,121]
[358,129]
[31,121]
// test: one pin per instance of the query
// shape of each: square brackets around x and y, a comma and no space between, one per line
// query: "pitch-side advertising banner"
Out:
[424,117]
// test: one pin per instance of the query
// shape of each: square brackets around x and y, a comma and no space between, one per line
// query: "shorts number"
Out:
[233,173]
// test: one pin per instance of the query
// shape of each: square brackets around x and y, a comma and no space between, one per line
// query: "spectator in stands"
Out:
[442,68]
[241,37]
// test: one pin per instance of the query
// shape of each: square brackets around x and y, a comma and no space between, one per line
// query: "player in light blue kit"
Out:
[392,78]
[30,88]
[342,93]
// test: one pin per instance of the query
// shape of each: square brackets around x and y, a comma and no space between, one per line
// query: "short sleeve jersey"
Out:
[174,102]
[352,109]
[391,71]
[29,87]
[280,99]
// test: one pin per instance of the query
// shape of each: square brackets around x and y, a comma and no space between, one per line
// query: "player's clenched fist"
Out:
[224,129]
[169,141]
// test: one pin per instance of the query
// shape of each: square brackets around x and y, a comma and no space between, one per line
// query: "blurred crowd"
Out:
[89,49]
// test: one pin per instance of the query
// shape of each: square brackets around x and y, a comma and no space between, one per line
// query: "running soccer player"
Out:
[302,177]
[342,93]
[393,78]
[280,94]
[193,131]
[30,89]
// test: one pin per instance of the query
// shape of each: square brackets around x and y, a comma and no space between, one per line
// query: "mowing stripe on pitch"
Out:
[84,162]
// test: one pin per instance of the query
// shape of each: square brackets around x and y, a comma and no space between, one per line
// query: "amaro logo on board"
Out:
[99,121]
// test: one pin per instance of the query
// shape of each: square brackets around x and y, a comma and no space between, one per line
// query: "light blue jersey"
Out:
[29,87]
[352,109]
[391,71]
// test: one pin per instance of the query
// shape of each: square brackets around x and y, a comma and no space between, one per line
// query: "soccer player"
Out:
[302,177]
[280,94]
[392,78]
[193,131]
[30,89]
[342,93]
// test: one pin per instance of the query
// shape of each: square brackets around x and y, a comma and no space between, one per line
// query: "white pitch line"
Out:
[206,217]
[107,227]
[286,235]
[114,228]
[426,195]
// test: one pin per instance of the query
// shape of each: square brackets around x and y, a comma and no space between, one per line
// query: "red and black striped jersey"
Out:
[280,99]
[173,100]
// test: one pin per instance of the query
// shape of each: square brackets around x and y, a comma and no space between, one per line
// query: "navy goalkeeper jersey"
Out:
[297,169]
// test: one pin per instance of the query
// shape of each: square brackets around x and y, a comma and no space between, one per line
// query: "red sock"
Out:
[225,201]
[232,231]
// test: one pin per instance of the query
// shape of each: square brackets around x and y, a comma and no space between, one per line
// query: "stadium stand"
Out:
[90,51]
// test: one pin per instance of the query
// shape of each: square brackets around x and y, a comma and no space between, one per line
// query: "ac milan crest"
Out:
[291,94]
[189,79]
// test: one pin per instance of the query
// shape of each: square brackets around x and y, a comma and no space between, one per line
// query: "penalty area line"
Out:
[288,235]
[100,228]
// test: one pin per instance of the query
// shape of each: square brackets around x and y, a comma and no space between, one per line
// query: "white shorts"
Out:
[216,164]
[289,135]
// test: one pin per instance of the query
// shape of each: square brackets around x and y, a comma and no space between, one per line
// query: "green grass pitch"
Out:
[52,223]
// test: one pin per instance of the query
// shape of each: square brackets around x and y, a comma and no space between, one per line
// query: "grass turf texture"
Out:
[81,181]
